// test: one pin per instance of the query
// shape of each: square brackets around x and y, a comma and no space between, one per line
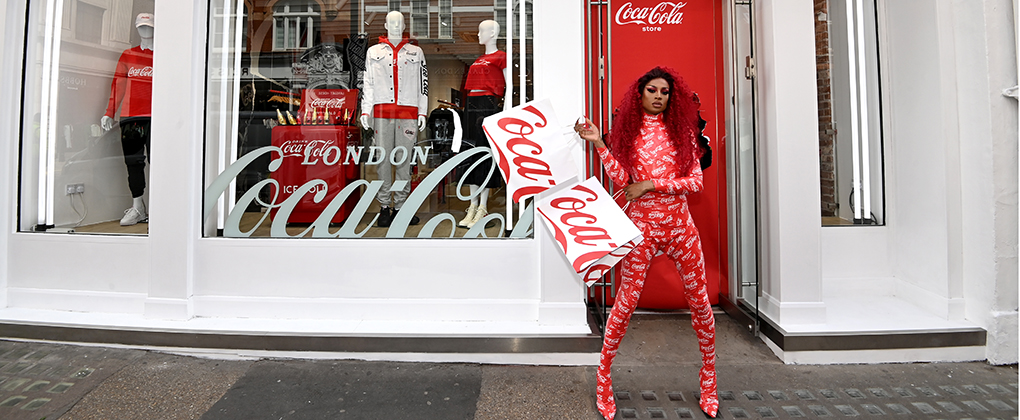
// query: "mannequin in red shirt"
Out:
[131,93]
[485,86]
[654,156]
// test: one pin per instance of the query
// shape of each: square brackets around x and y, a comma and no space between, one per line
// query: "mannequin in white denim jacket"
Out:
[394,104]
[394,31]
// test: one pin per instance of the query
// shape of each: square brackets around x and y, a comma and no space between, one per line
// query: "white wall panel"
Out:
[12,21]
[918,216]
[792,278]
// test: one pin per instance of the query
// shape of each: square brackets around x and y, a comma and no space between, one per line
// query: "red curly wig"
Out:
[680,118]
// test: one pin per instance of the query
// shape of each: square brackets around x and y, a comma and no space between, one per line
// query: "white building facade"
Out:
[933,278]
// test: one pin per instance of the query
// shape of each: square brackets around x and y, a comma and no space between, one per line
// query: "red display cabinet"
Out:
[316,152]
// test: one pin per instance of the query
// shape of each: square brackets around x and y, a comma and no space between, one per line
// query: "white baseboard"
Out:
[76,300]
[836,357]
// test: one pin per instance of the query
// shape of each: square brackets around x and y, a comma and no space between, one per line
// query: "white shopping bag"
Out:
[590,227]
[530,149]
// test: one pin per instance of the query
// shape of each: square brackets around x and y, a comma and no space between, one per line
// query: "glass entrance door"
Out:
[743,158]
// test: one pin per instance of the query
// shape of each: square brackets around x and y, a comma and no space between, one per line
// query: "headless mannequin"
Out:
[134,156]
[488,33]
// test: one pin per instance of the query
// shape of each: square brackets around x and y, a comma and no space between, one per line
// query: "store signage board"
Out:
[590,227]
[531,151]
[329,104]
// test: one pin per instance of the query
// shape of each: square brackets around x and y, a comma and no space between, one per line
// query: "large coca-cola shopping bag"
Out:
[592,230]
[531,149]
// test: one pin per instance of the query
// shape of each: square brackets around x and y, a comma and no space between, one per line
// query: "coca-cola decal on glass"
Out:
[663,13]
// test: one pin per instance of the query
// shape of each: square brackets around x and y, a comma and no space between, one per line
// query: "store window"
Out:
[315,129]
[850,113]
[85,131]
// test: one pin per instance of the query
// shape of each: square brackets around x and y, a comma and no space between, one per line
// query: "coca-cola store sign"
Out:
[652,17]
[335,100]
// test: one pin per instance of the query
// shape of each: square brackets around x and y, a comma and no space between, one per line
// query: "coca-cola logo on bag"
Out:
[527,154]
[664,13]
[140,72]
[592,231]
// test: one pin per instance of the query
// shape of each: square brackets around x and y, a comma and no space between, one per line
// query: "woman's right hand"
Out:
[589,132]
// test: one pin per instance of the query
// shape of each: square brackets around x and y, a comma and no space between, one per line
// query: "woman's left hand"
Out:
[636,190]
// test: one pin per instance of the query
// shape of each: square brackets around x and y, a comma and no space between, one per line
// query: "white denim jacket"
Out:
[411,85]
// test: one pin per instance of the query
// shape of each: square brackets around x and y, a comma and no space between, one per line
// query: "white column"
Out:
[789,169]
[558,40]
[175,179]
[985,64]
[12,21]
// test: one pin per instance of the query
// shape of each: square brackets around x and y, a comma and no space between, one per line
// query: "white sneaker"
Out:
[468,217]
[479,214]
[131,217]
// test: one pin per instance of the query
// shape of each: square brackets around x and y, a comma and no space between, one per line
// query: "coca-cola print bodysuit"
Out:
[665,221]
[131,89]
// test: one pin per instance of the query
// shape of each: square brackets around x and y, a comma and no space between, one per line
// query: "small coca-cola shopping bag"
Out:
[590,227]
[531,149]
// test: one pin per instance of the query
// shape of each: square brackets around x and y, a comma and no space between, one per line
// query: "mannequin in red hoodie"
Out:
[131,92]
[654,156]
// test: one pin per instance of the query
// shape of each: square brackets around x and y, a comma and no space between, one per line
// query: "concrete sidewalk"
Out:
[655,377]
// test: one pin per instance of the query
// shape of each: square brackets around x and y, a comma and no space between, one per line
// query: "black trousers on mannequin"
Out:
[479,107]
[134,141]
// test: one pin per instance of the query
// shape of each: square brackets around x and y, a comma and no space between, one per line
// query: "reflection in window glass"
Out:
[85,138]
[342,125]
[420,18]
[445,19]
[293,25]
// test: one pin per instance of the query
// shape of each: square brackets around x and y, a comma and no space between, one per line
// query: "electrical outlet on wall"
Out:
[74,189]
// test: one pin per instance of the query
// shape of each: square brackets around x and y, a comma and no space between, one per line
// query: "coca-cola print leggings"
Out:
[682,245]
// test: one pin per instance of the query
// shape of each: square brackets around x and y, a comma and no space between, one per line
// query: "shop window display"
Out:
[850,114]
[87,102]
[352,131]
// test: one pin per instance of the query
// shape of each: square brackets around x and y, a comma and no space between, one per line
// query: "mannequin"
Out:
[131,92]
[396,94]
[485,85]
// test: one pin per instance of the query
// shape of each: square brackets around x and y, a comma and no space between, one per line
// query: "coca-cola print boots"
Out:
[684,247]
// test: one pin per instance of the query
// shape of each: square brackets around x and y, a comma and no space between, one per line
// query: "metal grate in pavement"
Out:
[966,401]
[30,378]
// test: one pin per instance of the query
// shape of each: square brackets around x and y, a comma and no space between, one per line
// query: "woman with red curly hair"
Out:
[653,155]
